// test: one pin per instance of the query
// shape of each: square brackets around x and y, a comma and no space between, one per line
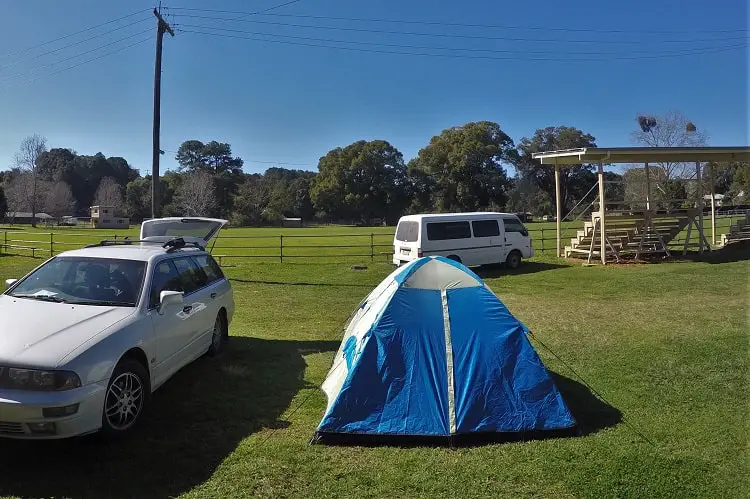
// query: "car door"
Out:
[171,327]
[198,304]
[217,288]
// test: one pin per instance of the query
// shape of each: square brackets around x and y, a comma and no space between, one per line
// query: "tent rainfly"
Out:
[432,353]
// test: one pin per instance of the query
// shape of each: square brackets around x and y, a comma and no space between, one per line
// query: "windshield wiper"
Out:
[103,303]
[51,298]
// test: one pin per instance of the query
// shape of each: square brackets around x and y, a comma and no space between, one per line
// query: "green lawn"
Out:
[324,244]
[666,344]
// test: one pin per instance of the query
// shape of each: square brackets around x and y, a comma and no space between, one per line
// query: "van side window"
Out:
[513,225]
[407,232]
[439,231]
[485,228]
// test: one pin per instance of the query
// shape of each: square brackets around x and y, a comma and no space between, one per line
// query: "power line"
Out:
[462,25]
[79,64]
[74,43]
[468,37]
[467,56]
[74,34]
[423,47]
[34,70]
[269,9]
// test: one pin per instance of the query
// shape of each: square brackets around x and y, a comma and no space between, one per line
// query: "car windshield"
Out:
[85,281]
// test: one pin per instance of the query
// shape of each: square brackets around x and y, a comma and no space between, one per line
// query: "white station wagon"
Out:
[87,336]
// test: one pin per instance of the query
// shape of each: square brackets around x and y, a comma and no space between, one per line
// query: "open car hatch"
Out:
[198,229]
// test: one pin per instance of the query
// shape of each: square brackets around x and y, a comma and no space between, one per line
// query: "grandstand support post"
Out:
[699,193]
[558,203]
[713,205]
[648,186]
[602,209]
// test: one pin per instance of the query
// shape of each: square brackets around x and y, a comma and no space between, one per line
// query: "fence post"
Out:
[5,241]
[281,248]
[542,240]
[372,247]
[51,245]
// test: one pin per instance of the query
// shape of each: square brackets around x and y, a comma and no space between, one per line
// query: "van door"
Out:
[516,237]
[489,241]
[406,241]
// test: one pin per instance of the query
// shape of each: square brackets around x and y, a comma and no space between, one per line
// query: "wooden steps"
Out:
[628,234]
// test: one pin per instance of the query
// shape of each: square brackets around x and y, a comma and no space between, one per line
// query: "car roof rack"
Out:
[170,245]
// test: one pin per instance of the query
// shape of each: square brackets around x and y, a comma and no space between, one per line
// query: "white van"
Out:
[470,238]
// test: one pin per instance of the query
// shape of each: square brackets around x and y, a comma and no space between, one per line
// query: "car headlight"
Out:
[34,379]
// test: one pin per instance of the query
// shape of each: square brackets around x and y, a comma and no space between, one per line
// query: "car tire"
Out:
[127,398]
[513,261]
[220,336]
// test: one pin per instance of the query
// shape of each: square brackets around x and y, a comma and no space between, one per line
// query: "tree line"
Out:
[464,168]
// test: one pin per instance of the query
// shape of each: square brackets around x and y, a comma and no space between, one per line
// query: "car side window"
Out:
[166,278]
[209,267]
[192,277]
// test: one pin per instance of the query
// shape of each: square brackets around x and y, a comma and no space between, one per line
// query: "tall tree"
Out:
[250,201]
[60,200]
[214,158]
[670,130]
[466,164]
[363,181]
[138,198]
[109,193]
[575,181]
[84,173]
[196,194]
[3,203]
[26,161]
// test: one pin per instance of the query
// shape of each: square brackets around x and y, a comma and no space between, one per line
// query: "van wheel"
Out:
[455,258]
[513,260]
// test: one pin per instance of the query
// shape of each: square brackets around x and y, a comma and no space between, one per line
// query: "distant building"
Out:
[718,199]
[291,222]
[103,217]
[24,217]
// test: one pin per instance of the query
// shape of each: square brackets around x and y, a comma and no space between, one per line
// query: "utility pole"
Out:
[161,27]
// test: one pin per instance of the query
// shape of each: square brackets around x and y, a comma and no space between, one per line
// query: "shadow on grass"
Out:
[197,419]
[283,283]
[494,271]
[738,251]
[591,414]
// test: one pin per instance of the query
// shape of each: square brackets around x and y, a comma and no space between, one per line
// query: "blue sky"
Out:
[288,103]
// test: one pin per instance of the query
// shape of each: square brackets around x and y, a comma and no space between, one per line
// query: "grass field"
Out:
[324,244]
[666,344]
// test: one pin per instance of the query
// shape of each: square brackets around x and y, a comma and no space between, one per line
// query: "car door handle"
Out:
[187,308]
[213,295]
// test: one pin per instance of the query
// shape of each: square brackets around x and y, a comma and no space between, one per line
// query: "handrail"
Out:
[579,202]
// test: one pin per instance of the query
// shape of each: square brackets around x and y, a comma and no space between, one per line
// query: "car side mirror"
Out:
[169,299]
[10,282]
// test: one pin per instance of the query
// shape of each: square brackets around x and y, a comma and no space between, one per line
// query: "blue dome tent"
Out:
[433,354]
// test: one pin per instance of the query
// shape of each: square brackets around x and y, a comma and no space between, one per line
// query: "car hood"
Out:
[35,333]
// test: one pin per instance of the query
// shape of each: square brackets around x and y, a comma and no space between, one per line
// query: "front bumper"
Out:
[20,409]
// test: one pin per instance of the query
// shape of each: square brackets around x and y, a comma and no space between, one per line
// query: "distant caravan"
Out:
[481,238]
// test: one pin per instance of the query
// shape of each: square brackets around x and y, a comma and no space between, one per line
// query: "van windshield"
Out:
[407,232]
